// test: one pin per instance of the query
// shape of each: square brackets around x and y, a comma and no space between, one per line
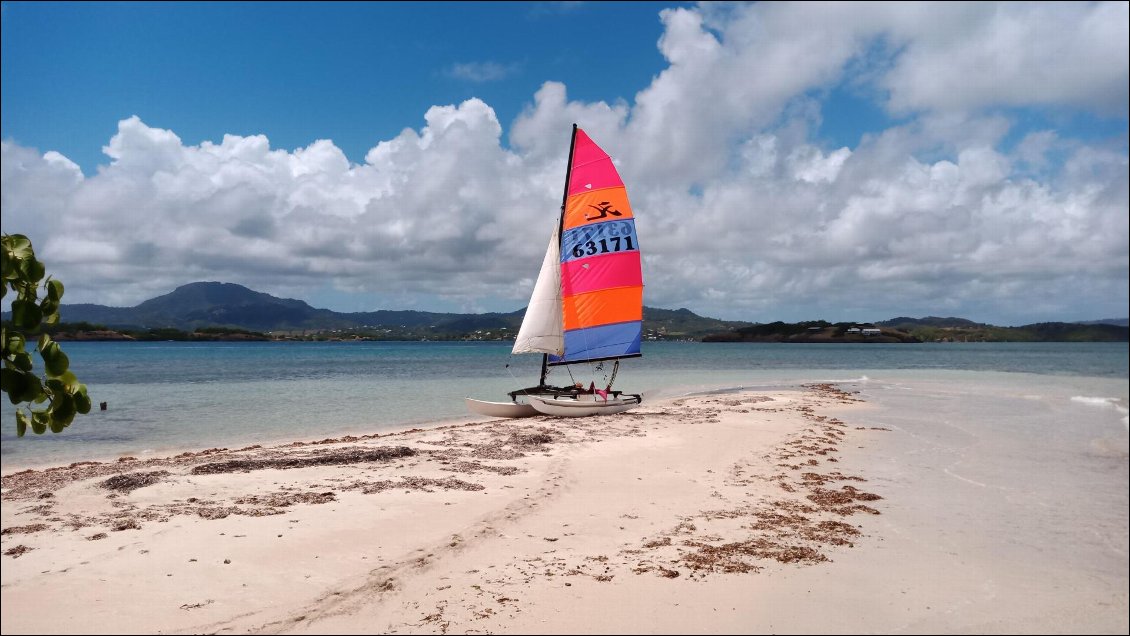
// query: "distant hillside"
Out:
[906,324]
[1117,322]
[683,324]
[201,308]
[933,329]
[204,305]
[812,332]
[929,329]
[211,304]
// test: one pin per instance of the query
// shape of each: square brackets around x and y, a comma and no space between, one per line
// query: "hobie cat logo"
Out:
[605,209]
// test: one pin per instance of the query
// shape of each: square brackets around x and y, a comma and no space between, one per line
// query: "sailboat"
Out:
[587,303]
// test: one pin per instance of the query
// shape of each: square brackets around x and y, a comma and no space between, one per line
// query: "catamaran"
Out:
[587,303]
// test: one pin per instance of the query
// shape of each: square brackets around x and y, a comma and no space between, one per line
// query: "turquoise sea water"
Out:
[171,396]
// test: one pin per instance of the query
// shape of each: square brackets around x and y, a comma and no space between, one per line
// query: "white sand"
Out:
[727,513]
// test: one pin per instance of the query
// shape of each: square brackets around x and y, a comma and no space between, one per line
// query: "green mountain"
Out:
[206,305]
[683,324]
[211,304]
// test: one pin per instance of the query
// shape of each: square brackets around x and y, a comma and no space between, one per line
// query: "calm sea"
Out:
[170,396]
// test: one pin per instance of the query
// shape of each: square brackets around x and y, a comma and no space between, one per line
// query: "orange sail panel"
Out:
[595,205]
[603,307]
[601,275]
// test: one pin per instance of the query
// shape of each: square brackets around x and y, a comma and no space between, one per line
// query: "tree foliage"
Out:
[43,402]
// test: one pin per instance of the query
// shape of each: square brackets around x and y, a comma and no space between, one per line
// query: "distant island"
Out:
[210,311]
[814,332]
[929,329]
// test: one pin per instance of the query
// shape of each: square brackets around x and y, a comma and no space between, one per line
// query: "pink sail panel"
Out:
[592,168]
[601,272]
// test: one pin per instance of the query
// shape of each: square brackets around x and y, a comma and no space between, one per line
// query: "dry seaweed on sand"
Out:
[332,458]
[845,495]
[132,481]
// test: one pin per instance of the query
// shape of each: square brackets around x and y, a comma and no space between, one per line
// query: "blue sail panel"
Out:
[619,340]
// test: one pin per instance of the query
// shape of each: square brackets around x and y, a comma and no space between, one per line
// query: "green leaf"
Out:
[39,422]
[36,270]
[82,400]
[31,271]
[19,245]
[21,423]
[26,314]
[49,308]
[33,389]
[70,381]
[14,383]
[7,265]
[54,359]
[22,361]
[62,412]
[55,291]
[14,344]
[20,386]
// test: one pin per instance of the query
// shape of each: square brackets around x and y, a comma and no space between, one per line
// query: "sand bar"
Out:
[804,511]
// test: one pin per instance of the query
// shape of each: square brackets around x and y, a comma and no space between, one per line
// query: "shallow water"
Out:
[1015,486]
[173,396]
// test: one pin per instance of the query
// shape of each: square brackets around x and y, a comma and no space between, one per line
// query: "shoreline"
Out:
[153,424]
[166,453]
[658,395]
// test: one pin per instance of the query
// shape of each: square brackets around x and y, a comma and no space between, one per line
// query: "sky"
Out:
[784,161]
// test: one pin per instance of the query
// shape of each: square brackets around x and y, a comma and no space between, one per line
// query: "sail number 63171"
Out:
[603,246]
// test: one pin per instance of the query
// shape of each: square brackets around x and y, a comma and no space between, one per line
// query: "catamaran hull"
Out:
[500,409]
[583,406]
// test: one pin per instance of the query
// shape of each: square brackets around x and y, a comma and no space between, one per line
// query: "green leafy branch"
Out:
[57,396]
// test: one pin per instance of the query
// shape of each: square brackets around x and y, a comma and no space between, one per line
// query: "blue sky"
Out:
[787,161]
[352,72]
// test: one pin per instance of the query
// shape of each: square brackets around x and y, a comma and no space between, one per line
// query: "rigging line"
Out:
[510,370]
[570,370]
[615,369]
[599,368]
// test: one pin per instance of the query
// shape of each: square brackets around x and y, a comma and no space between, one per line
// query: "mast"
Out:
[560,225]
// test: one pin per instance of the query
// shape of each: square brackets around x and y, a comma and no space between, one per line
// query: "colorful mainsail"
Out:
[601,275]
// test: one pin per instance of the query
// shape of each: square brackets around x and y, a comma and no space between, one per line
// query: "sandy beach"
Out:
[792,511]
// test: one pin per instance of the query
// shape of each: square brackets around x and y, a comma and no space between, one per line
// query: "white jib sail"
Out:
[543,329]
